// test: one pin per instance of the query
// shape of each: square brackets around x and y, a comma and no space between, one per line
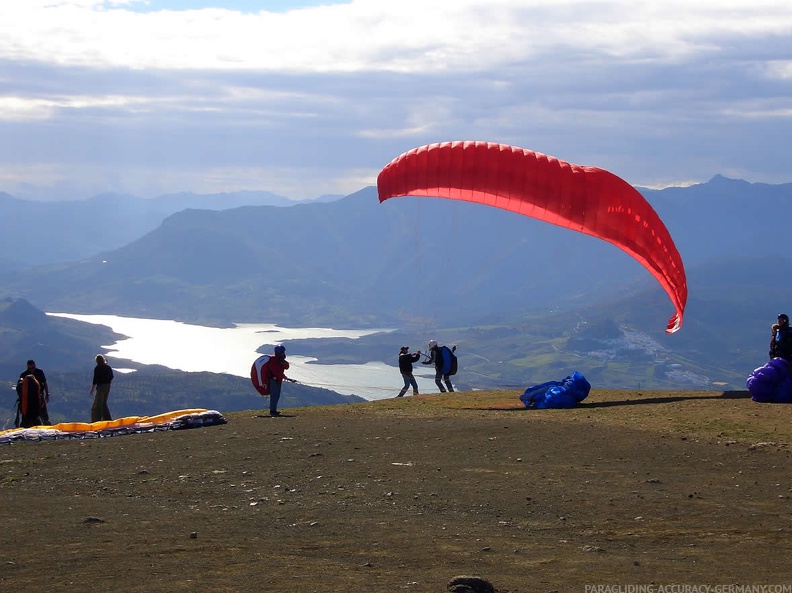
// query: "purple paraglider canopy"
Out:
[771,383]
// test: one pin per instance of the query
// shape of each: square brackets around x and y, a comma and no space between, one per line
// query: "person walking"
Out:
[406,361]
[102,377]
[445,363]
[32,369]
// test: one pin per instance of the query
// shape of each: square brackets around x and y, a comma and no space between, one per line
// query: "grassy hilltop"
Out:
[631,487]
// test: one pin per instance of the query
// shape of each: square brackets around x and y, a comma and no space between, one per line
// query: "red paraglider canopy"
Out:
[585,199]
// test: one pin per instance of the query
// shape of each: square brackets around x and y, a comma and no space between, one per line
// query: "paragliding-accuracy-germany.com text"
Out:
[688,588]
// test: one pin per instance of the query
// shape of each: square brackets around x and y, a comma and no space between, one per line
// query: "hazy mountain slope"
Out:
[541,299]
[727,325]
[26,332]
[351,261]
[619,344]
[723,217]
[35,233]
[355,261]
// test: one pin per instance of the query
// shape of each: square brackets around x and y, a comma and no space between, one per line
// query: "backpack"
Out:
[28,402]
[449,359]
[260,374]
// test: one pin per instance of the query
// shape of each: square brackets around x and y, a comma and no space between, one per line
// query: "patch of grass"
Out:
[8,481]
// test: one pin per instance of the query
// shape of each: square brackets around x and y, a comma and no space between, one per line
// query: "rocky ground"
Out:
[651,488]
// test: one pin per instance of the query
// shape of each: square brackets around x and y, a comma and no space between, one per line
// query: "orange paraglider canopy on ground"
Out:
[179,419]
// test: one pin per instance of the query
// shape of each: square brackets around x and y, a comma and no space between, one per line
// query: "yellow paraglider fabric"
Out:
[178,419]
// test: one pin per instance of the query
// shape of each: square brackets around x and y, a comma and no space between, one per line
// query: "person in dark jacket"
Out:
[781,340]
[32,369]
[406,361]
[442,371]
[102,377]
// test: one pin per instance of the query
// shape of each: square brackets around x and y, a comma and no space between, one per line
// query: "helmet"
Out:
[432,344]
[783,317]
[403,348]
[280,350]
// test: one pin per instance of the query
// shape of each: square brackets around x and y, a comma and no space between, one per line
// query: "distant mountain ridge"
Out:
[529,295]
[723,216]
[353,261]
[356,261]
[74,229]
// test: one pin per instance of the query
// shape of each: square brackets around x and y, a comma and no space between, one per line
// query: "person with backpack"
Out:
[781,340]
[102,377]
[32,369]
[268,373]
[406,361]
[445,363]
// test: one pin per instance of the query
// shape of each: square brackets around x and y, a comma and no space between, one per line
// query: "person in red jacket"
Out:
[276,373]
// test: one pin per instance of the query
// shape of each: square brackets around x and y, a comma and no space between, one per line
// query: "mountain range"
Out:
[527,301]
[34,233]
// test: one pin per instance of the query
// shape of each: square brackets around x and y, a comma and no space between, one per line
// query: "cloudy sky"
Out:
[305,98]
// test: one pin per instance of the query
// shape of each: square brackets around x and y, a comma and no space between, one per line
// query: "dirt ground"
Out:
[655,488]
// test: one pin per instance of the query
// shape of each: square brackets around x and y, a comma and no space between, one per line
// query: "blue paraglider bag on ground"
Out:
[557,394]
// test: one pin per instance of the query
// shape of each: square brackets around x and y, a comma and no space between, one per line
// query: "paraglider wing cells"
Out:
[584,199]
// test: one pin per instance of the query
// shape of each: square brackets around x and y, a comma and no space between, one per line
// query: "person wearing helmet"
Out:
[406,361]
[781,340]
[276,373]
[444,361]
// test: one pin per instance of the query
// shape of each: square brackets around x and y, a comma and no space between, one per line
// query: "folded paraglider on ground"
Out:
[176,420]
[557,394]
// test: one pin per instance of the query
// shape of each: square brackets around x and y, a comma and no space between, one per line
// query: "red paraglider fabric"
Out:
[585,199]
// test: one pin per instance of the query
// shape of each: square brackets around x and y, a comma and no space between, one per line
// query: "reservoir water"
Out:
[197,348]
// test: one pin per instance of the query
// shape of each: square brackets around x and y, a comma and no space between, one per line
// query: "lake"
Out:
[197,348]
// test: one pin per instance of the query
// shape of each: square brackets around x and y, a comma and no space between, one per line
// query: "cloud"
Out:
[377,35]
[104,96]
